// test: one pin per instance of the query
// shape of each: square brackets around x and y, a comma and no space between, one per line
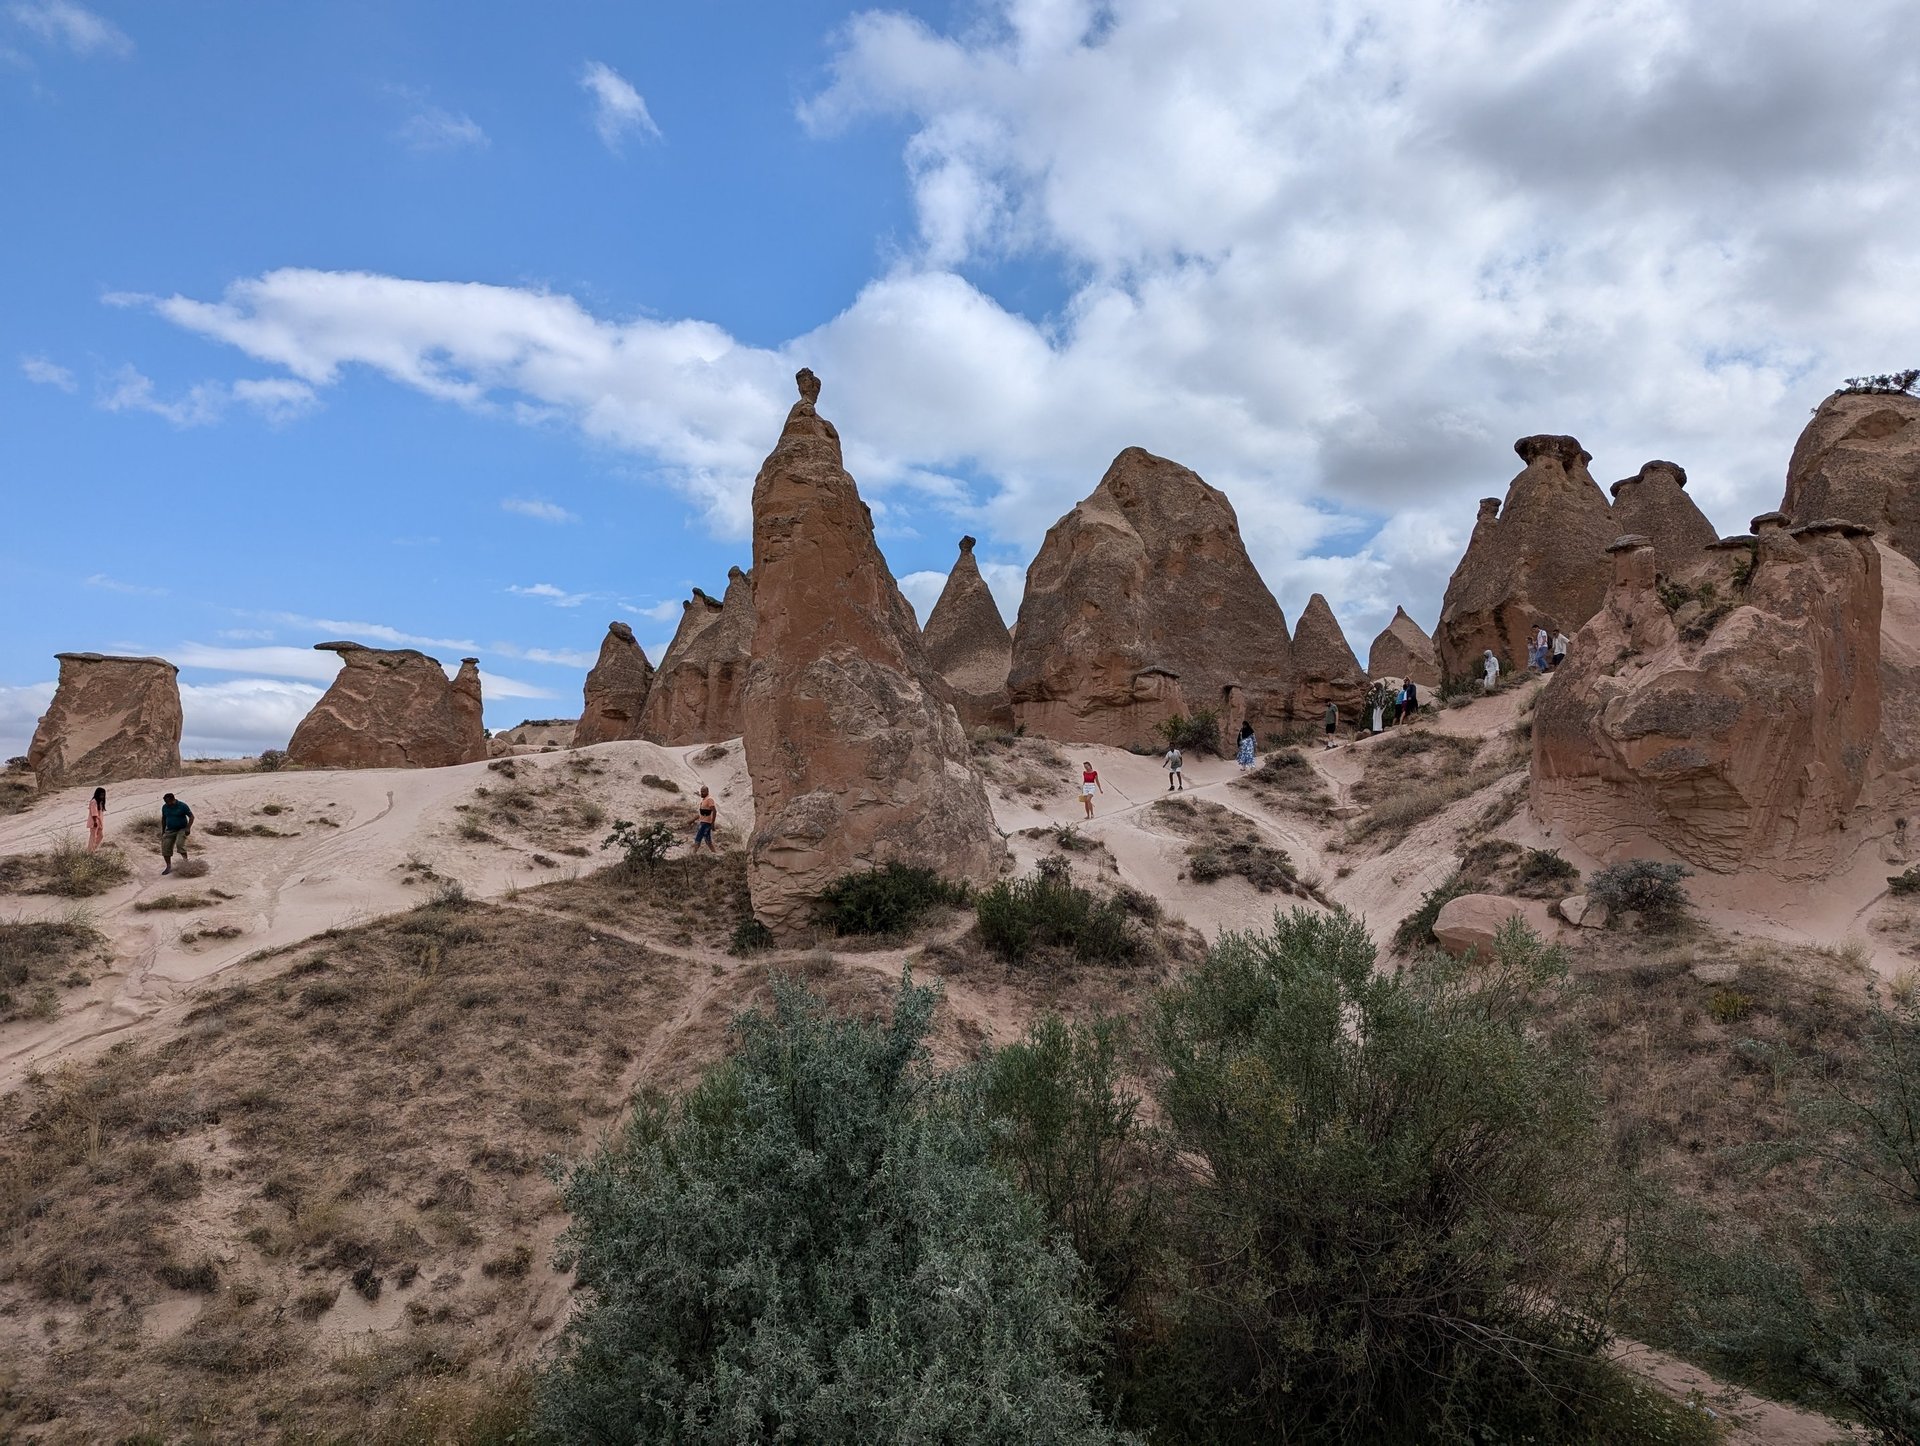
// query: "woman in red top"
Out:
[1089,785]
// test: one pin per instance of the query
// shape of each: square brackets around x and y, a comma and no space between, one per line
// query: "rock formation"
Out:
[697,688]
[110,719]
[1143,603]
[616,692]
[855,758]
[1859,458]
[969,646]
[1403,650]
[392,708]
[1324,667]
[1538,559]
[1471,923]
[1737,735]
[1654,503]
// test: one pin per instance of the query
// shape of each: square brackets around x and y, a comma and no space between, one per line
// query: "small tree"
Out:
[1646,887]
[643,844]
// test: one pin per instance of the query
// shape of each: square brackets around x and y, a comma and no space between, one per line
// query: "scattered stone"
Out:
[696,693]
[1583,913]
[1403,650]
[615,696]
[110,719]
[1471,922]
[969,646]
[392,708]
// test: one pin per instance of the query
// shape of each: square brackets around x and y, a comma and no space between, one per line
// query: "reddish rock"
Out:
[615,696]
[696,693]
[969,646]
[1324,667]
[110,719]
[1141,604]
[392,708]
[1470,923]
[1654,503]
[1859,458]
[1403,650]
[855,758]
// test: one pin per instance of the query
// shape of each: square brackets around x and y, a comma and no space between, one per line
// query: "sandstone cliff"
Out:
[110,718]
[1859,458]
[392,708]
[696,692]
[1403,650]
[1654,504]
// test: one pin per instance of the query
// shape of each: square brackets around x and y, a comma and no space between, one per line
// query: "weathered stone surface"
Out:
[696,694]
[1472,922]
[1324,667]
[1534,561]
[855,757]
[1859,458]
[969,646]
[1583,913]
[615,696]
[392,708]
[110,719]
[1655,504]
[1403,650]
[1143,603]
[1737,740]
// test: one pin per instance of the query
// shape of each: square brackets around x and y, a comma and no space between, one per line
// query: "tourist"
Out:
[96,819]
[1333,721]
[1175,765]
[1492,666]
[1377,705]
[1089,785]
[1245,753]
[176,822]
[1537,653]
[1409,701]
[1559,651]
[708,816]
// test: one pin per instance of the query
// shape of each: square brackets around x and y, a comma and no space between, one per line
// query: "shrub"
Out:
[1643,886]
[886,900]
[271,760]
[1545,866]
[1905,883]
[1891,383]
[1047,910]
[643,845]
[1416,930]
[1195,733]
[750,936]
[813,1245]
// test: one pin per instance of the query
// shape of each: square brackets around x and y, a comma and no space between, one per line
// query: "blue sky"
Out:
[469,324]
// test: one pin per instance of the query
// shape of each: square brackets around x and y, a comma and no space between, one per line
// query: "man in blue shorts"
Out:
[176,822]
[703,825]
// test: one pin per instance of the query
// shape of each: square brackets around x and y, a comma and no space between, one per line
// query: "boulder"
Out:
[1471,922]
[696,693]
[1402,651]
[1536,560]
[1654,504]
[969,646]
[856,759]
[1583,913]
[1859,458]
[110,719]
[1142,603]
[615,696]
[1324,668]
[392,708]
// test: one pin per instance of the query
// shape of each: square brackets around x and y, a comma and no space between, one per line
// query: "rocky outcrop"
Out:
[855,758]
[615,696]
[1403,650]
[392,708]
[1733,735]
[1471,923]
[696,693]
[1653,503]
[1324,667]
[969,646]
[1859,458]
[1536,560]
[1141,604]
[110,719]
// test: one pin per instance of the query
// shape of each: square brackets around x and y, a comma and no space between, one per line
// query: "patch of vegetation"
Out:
[227,828]
[642,846]
[1284,779]
[654,780]
[1884,383]
[161,903]
[1498,866]
[750,936]
[66,871]
[1046,911]
[1197,732]
[33,953]
[888,900]
[1415,932]
[1229,845]
[1905,883]
[1646,887]
[1414,773]
[271,760]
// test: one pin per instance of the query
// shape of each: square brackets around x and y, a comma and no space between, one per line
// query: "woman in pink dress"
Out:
[96,819]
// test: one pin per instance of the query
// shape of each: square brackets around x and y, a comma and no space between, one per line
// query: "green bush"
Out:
[1198,732]
[1545,866]
[1905,883]
[813,1245]
[886,900]
[1644,886]
[1416,930]
[643,845]
[1047,910]
[750,936]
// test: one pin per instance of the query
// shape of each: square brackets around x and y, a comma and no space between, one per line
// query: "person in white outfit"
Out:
[1492,665]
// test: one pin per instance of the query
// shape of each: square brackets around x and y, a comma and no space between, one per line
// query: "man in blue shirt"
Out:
[176,821]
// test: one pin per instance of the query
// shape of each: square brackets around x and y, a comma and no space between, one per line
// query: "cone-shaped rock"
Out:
[1859,458]
[1655,504]
[110,718]
[698,686]
[1324,667]
[1538,561]
[855,758]
[1403,650]
[392,708]
[968,645]
[1143,603]
[615,695]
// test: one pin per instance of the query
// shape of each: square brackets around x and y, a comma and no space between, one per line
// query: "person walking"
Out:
[1409,700]
[1559,651]
[1377,705]
[1492,666]
[1333,721]
[1537,654]
[1175,765]
[176,822]
[1245,751]
[704,821]
[1089,785]
[96,820]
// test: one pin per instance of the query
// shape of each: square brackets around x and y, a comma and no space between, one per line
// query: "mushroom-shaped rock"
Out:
[1654,502]
[1859,458]
[1141,604]
[968,645]
[1403,650]
[1324,667]
[392,708]
[697,688]
[616,690]
[110,718]
[856,759]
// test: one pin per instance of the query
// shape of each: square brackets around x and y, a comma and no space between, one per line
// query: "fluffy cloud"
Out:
[277,399]
[113,584]
[618,109]
[922,589]
[547,592]
[354,631]
[61,22]
[241,716]
[20,710]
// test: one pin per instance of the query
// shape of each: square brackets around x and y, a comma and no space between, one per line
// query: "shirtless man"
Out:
[703,824]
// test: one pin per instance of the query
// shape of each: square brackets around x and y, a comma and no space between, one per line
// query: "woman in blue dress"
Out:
[1246,745]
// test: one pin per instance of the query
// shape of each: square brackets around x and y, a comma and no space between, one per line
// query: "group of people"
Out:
[1546,652]
[1390,706]
[176,822]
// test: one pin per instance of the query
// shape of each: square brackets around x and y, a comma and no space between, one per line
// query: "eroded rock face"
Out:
[1324,667]
[1403,650]
[1143,603]
[392,708]
[615,696]
[969,646]
[1653,503]
[1537,560]
[1859,458]
[855,758]
[697,689]
[110,719]
[1734,738]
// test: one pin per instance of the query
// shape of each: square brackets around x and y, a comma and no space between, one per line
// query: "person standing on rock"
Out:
[176,822]
[1333,721]
[1089,785]
[704,821]
[1559,651]
[1175,765]
[1245,751]
[96,820]
[1492,666]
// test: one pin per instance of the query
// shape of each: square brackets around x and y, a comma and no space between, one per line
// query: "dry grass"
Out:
[1414,773]
[546,806]
[39,957]
[694,900]
[66,870]
[1497,866]
[227,828]
[1285,780]
[17,792]
[1230,845]
[1020,767]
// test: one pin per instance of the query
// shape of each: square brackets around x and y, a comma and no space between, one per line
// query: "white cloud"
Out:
[111,584]
[337,629]
[559,657]
[241,716]
[277,399]
[922,589]
[61,22]
[20,709]
[534,507]
[432,128]
[248,635]
[46,373]
[1008,584]
[493,685]
[665,611]
[618,109]
[275,662]
[547,592]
